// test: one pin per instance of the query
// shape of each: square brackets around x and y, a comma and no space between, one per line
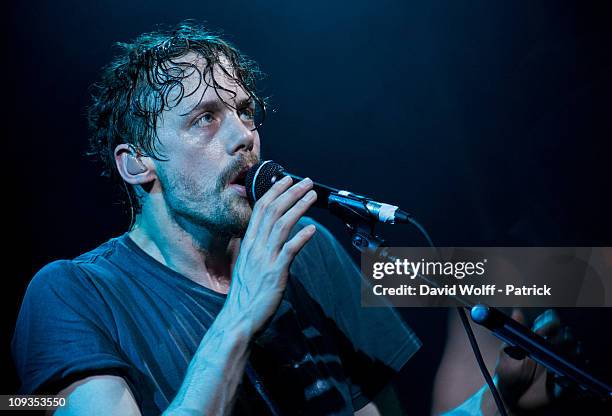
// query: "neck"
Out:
[190,250]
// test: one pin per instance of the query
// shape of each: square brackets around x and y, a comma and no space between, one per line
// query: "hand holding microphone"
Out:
[260,274]
[261,271]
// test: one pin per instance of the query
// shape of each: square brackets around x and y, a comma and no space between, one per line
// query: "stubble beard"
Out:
[215,207]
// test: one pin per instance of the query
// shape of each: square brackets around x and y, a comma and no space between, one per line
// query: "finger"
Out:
[292,247]
[518,316]
[262,203]
[275,190]
[547,324]
[281,205]
[282,227]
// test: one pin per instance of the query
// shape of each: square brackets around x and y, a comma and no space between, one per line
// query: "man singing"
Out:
[205,306]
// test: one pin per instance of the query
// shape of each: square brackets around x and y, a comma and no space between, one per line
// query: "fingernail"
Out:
[285,179]
[310,196]
[311,228]
[307,181]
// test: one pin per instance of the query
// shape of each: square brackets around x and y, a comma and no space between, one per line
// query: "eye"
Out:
[204,120]
[247,114]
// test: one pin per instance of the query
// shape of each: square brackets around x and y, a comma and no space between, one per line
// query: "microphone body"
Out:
[262,176]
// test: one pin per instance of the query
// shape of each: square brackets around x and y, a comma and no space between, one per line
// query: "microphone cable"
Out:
[481,363]
[468,329]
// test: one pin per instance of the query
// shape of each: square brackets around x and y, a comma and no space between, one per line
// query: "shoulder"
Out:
[61,276]
[67,296]
[52,277]
[58,285]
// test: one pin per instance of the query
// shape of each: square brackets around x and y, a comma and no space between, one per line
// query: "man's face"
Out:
[208,146]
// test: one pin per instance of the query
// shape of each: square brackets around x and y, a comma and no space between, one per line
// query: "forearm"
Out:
[216,369]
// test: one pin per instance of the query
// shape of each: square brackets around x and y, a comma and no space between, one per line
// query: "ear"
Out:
[133,167]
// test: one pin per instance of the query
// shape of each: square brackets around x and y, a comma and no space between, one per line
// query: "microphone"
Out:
[260,178]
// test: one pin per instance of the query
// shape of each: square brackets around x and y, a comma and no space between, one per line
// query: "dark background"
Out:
[489,121]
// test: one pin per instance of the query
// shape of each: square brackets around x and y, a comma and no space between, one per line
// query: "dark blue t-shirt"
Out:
[116,310]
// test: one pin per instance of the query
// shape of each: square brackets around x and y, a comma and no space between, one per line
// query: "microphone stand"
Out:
[523,341]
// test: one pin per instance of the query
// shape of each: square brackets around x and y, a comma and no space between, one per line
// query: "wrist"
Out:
[248,312]
[237,322]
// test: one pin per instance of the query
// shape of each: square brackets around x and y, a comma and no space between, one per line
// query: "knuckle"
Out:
[280,226]
[269,247]
[261,204]
[257,208]
[273,209]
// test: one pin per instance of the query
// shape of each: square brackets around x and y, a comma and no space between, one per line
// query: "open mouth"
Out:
[240,178]
[238,183]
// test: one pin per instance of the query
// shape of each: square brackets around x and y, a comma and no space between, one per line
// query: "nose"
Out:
[240,136]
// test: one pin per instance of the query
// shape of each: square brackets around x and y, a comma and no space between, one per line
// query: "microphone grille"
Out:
[260,178]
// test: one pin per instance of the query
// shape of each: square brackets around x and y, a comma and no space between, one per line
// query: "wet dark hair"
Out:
[135,88]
